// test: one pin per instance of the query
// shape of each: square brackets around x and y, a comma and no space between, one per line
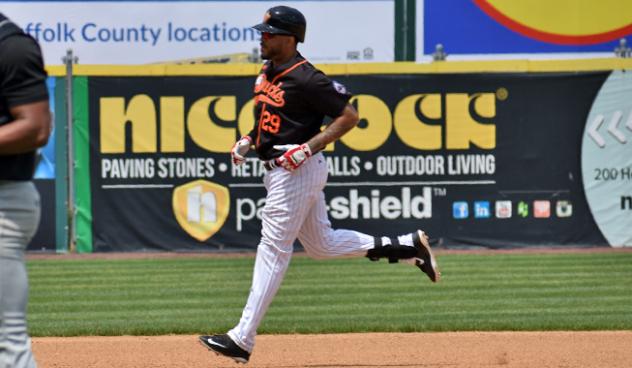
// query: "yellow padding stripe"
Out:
[492,66]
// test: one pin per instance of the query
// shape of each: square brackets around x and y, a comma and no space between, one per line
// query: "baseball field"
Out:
[535,308]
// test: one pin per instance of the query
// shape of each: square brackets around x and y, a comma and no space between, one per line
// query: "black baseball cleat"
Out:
[224,345]
[424,258]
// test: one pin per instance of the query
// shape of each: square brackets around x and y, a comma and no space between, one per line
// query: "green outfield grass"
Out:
[199,295]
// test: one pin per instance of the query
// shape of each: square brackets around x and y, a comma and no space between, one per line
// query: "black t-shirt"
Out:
[22,81]
[291,101]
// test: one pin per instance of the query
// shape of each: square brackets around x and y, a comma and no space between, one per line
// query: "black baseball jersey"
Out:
[291,102]
[22,81]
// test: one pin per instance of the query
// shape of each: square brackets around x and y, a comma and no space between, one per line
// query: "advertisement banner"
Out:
[142,32]
[488,160]
[44,180]
[607,159]
[498,27]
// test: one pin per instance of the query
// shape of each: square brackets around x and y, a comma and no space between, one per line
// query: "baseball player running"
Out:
[291,100]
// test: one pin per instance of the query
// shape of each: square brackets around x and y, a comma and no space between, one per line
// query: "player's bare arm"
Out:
[29,130]
[295,155]
[336,129]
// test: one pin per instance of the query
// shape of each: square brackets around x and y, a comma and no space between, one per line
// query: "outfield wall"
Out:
[492,154]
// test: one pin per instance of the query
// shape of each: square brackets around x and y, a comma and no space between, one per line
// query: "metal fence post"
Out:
[69,60]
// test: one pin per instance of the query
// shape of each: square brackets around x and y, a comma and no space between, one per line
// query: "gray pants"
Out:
[19,218]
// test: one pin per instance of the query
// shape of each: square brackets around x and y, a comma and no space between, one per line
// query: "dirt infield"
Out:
[599,349]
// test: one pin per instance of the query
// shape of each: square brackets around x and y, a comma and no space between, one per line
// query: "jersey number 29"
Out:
[270,122]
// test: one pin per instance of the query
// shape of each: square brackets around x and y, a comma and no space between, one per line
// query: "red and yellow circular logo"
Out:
[563,22]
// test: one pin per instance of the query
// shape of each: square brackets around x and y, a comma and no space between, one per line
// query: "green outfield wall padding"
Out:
[81,136]
[61,167]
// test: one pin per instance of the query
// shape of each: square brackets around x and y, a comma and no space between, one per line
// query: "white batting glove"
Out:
[240,149]
[295,155]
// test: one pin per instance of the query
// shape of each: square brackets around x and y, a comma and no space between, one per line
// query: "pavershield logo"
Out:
[201,208]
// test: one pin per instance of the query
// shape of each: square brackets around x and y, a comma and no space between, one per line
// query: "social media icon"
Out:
[523,209]
[503,209]
[481,209]
[564,208]
[460,210]
[541,209]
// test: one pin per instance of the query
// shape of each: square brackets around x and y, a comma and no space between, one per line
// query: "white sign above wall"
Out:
[141,32]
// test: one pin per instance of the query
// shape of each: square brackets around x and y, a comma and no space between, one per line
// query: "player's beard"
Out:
[265,52]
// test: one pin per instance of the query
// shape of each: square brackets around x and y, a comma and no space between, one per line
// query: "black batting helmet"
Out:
[283,20]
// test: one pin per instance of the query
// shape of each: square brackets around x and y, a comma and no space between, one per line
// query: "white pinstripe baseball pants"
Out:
[295,208]
[19,218]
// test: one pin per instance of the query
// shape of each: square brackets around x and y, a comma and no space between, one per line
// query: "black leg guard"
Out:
[394,252]
[377,252]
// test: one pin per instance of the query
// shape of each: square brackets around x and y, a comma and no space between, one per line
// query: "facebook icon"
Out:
[460,210]
[481,209]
